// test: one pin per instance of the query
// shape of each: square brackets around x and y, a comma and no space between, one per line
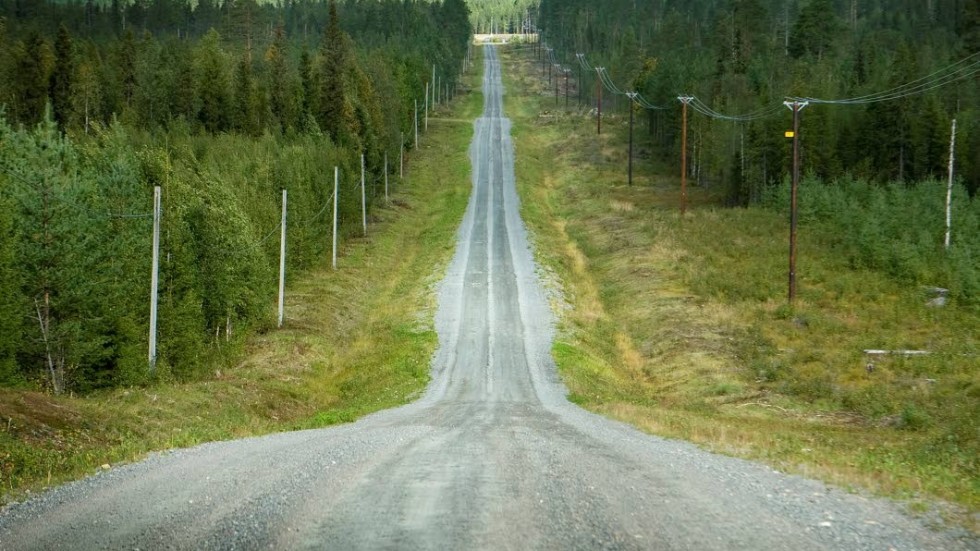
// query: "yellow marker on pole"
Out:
[790,134]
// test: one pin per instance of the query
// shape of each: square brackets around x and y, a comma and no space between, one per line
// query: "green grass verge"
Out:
[355,341]
[680,326]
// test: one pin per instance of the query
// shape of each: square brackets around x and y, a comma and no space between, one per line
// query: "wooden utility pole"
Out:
[154,279]
[556,86]
[282,261]
[629,181]
[566,88]
[386,177]
[684,101]
[796,107]
[949,186]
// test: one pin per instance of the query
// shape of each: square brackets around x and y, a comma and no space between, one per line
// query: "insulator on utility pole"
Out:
[282,261]
[684,101]
[155,279]
[795,107]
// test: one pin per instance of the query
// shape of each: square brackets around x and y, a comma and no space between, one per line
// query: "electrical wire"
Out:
[762,113]
[960,70]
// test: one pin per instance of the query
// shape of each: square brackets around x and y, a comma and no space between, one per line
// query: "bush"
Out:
[897,229]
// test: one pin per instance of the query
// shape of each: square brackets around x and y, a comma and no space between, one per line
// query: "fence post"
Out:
[336,183]
[282,261]
[155,279]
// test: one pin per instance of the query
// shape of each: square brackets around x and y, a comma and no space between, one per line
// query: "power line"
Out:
[960,70]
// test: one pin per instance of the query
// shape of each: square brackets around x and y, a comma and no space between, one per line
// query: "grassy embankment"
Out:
[355,341]
[680,326]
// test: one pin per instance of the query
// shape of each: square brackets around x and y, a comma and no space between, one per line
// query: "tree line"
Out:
[503,16]
[220,105]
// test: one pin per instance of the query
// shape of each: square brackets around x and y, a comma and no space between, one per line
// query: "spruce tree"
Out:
[30,79]
[278,77]
[62,78]
[331,114]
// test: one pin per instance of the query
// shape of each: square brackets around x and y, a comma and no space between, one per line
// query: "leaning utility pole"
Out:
[796,107]
[949,186]
[684,101]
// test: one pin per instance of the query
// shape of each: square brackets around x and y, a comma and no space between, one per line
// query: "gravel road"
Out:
[492,456]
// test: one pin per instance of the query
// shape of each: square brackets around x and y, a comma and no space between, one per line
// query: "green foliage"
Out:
[897,229]
[222,131]
[747,56]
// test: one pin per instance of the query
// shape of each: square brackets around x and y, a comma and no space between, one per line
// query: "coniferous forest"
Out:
[743,58]
[220,104]
[883,81]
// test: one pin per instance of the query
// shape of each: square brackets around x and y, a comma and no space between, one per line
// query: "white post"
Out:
[363,199]
[386,176]
[949,185]
[282,261]
[433,85]
[437,93]
[155,279]
[426,107]
[336,184]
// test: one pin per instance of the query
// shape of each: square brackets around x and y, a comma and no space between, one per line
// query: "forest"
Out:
[503,16]
[742,58]
[222,105]
[882,82]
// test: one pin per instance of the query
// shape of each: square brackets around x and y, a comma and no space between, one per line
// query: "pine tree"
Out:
[333,103]
[212,83]
[278,83]
[245,115]
[63,78]
[30,86]
[815,30]
[12,311]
